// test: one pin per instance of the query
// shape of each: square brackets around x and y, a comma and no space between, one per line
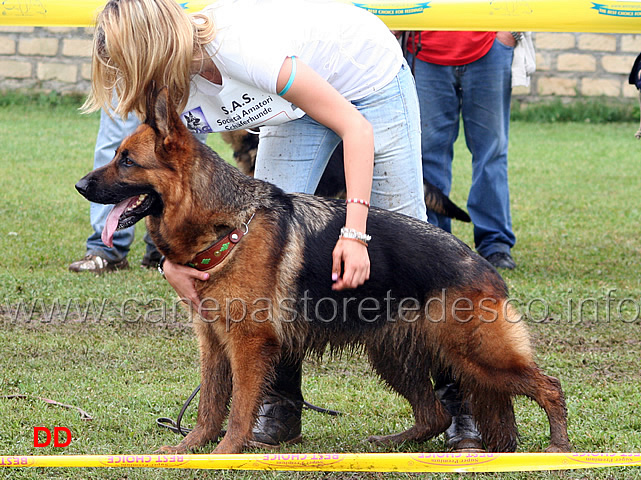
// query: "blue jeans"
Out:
[294,155]
[480,93]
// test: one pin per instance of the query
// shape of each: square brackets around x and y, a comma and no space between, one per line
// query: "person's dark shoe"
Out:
[151,260]
[463,436]
[278,422]
[97,264]
[501,260]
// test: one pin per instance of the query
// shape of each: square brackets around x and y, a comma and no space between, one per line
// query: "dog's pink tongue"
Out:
[111,225]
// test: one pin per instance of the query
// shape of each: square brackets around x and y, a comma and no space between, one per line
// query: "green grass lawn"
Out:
[118,346]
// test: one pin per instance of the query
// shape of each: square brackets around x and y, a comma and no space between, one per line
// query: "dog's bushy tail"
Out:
[440,203]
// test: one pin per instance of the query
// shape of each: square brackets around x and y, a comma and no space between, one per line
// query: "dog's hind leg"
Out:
[252,360]
[547,392]
[493,360]
[494,415]
[409,376]
[215,392]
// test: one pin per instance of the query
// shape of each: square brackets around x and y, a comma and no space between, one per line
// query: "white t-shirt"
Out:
[347,46]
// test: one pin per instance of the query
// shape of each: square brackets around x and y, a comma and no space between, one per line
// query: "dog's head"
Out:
[136,179]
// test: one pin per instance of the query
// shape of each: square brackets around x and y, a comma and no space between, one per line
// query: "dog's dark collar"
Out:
[214,255]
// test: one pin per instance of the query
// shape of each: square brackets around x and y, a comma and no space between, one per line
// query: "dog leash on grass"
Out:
[327,411]
[176,427]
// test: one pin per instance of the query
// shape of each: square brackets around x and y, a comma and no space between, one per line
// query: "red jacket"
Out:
[452,48]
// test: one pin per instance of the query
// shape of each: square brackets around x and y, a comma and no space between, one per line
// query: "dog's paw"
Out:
[559,449]
[171,449]
[228,447]
[418,433]
[380,439]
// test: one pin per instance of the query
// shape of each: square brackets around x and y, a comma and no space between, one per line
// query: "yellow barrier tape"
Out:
[613,16]
[343,462]
[64,13]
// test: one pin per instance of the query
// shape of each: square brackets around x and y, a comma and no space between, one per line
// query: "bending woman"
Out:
[311,74]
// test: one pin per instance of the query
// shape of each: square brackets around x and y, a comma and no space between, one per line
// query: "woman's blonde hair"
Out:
[143,44]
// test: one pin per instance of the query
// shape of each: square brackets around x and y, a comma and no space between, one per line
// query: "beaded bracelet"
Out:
[358,200]
[351,234]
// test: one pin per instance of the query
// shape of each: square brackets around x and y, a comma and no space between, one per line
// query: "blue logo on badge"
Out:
[196,121]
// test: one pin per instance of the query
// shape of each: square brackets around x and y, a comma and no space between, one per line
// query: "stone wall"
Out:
[573,65]
[45,59]
[569,65]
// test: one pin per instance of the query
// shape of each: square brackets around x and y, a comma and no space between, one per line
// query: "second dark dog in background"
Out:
[332,184]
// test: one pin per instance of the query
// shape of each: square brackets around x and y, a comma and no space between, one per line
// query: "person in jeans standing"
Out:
[468,75]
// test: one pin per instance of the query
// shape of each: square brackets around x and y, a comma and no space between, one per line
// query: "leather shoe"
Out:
[151,260]
[463,436]
[501,260]
[278,422]
[97,264]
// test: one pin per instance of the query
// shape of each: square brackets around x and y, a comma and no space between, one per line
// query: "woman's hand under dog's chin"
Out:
[352,256]
[182,278]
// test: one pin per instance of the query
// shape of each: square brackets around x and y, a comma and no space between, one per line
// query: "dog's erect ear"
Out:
[158,111]
[163,118]
[150,105]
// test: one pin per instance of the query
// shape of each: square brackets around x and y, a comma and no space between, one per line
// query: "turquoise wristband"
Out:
[291,78]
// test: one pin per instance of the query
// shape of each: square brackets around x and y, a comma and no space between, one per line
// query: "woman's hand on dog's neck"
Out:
[182,278]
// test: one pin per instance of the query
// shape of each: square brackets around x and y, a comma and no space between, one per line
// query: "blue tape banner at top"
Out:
[620,16]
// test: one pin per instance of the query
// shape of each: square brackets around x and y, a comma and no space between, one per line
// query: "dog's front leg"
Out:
[252,363]
[215,392]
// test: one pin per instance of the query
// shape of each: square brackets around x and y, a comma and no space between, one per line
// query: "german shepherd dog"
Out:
[332,184]
[430,304]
